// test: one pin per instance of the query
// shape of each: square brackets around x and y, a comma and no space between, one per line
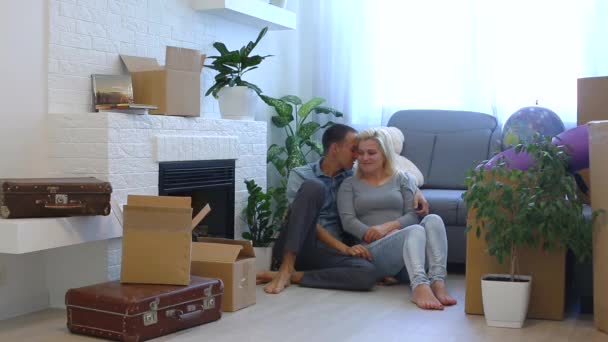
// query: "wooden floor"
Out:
[301,314]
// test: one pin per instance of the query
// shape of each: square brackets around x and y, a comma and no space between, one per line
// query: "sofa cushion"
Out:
[443,144]
[448,204]
[419,147]
[454,153]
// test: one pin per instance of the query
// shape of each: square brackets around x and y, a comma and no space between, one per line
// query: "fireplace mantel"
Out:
[125,149]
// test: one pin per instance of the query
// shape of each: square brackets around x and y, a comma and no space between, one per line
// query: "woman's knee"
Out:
[432,219]
[415,231]
[433,222]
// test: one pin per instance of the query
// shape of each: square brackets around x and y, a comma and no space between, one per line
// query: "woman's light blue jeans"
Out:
[414,248]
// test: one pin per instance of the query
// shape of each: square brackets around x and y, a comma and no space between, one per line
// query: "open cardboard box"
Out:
[157,239]
[175,88]
[232,261]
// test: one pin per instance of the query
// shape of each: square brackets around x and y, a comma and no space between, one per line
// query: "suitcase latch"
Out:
[209,301]
[151,317]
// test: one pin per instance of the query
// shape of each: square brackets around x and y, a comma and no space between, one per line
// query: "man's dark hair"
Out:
[335,134]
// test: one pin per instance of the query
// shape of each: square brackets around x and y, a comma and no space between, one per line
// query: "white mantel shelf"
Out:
[251,12]
[19,236]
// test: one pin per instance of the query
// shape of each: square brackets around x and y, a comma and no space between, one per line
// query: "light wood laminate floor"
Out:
[301,314]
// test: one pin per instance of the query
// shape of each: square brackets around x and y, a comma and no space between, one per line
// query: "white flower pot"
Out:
[237,103]
[505,303]
[263,258]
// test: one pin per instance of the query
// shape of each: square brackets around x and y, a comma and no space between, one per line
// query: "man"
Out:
[311,192]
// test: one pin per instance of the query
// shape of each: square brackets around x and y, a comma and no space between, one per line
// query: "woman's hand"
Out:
[376,233]
[420,204]
[359,251]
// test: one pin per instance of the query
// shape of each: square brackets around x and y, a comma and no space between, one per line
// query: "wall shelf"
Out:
[250,12]
[19,236]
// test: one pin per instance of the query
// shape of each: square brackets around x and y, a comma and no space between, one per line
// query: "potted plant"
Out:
[293,117]
[237,97]
[536,207]
[259,219]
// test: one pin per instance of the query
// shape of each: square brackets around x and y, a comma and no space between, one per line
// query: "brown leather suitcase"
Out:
[139,312]
[54,197]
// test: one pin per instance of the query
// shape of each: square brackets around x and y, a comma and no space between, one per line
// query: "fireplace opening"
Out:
[206,181]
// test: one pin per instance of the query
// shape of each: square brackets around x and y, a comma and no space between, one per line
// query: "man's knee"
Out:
[364,276]
[312,189]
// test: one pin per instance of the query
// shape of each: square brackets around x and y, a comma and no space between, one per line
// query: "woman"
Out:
[376,206]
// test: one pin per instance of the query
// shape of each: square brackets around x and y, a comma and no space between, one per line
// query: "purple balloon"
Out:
[514,160]
[577,139]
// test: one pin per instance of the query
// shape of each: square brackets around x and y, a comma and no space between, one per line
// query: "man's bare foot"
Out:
[264,277]
[425,299]
[388,281]
[280,281]
[441,293]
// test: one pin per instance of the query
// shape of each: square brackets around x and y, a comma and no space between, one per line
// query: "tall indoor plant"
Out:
[262,230]
[535,207]
[293,116]
[237,97]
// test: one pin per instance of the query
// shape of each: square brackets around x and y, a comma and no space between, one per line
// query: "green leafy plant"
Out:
[258,215]
[231,65]
[293,116]
[537,207]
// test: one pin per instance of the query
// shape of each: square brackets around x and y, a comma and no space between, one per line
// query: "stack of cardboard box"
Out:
[158,249]
[592,109]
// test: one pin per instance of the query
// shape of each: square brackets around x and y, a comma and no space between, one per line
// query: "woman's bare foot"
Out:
[425,299]
[441,293]
[264,277]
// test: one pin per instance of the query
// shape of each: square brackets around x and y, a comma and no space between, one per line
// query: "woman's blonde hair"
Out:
[383,140]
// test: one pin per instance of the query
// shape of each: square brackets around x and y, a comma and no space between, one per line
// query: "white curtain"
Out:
[374,57]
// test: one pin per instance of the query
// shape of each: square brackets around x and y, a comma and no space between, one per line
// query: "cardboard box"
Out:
[598,162]
[592,105]
[548,271]
[175,88]
[232,261]
[592,99]
[157,239]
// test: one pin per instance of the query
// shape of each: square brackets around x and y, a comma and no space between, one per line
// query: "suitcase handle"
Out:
[181,316]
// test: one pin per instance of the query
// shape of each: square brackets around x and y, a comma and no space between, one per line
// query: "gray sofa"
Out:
[444,144]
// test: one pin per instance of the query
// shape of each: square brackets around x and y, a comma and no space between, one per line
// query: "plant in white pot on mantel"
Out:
[260,220]
[537,207]
[237,98]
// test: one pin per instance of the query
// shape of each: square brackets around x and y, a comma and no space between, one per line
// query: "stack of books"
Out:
[114,93]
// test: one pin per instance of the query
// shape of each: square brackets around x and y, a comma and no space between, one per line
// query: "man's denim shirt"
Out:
[329,217]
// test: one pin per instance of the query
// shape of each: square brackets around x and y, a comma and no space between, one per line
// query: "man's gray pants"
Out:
[323,266]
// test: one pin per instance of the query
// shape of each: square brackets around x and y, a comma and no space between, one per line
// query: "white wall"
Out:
[87,37]
[23,89]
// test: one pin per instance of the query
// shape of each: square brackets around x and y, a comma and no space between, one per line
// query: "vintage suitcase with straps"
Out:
[139,312]
[54,197]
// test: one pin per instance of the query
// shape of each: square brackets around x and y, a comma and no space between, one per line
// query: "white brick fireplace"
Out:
[126,149]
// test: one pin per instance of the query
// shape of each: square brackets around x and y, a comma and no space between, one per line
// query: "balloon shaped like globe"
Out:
[523,124]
